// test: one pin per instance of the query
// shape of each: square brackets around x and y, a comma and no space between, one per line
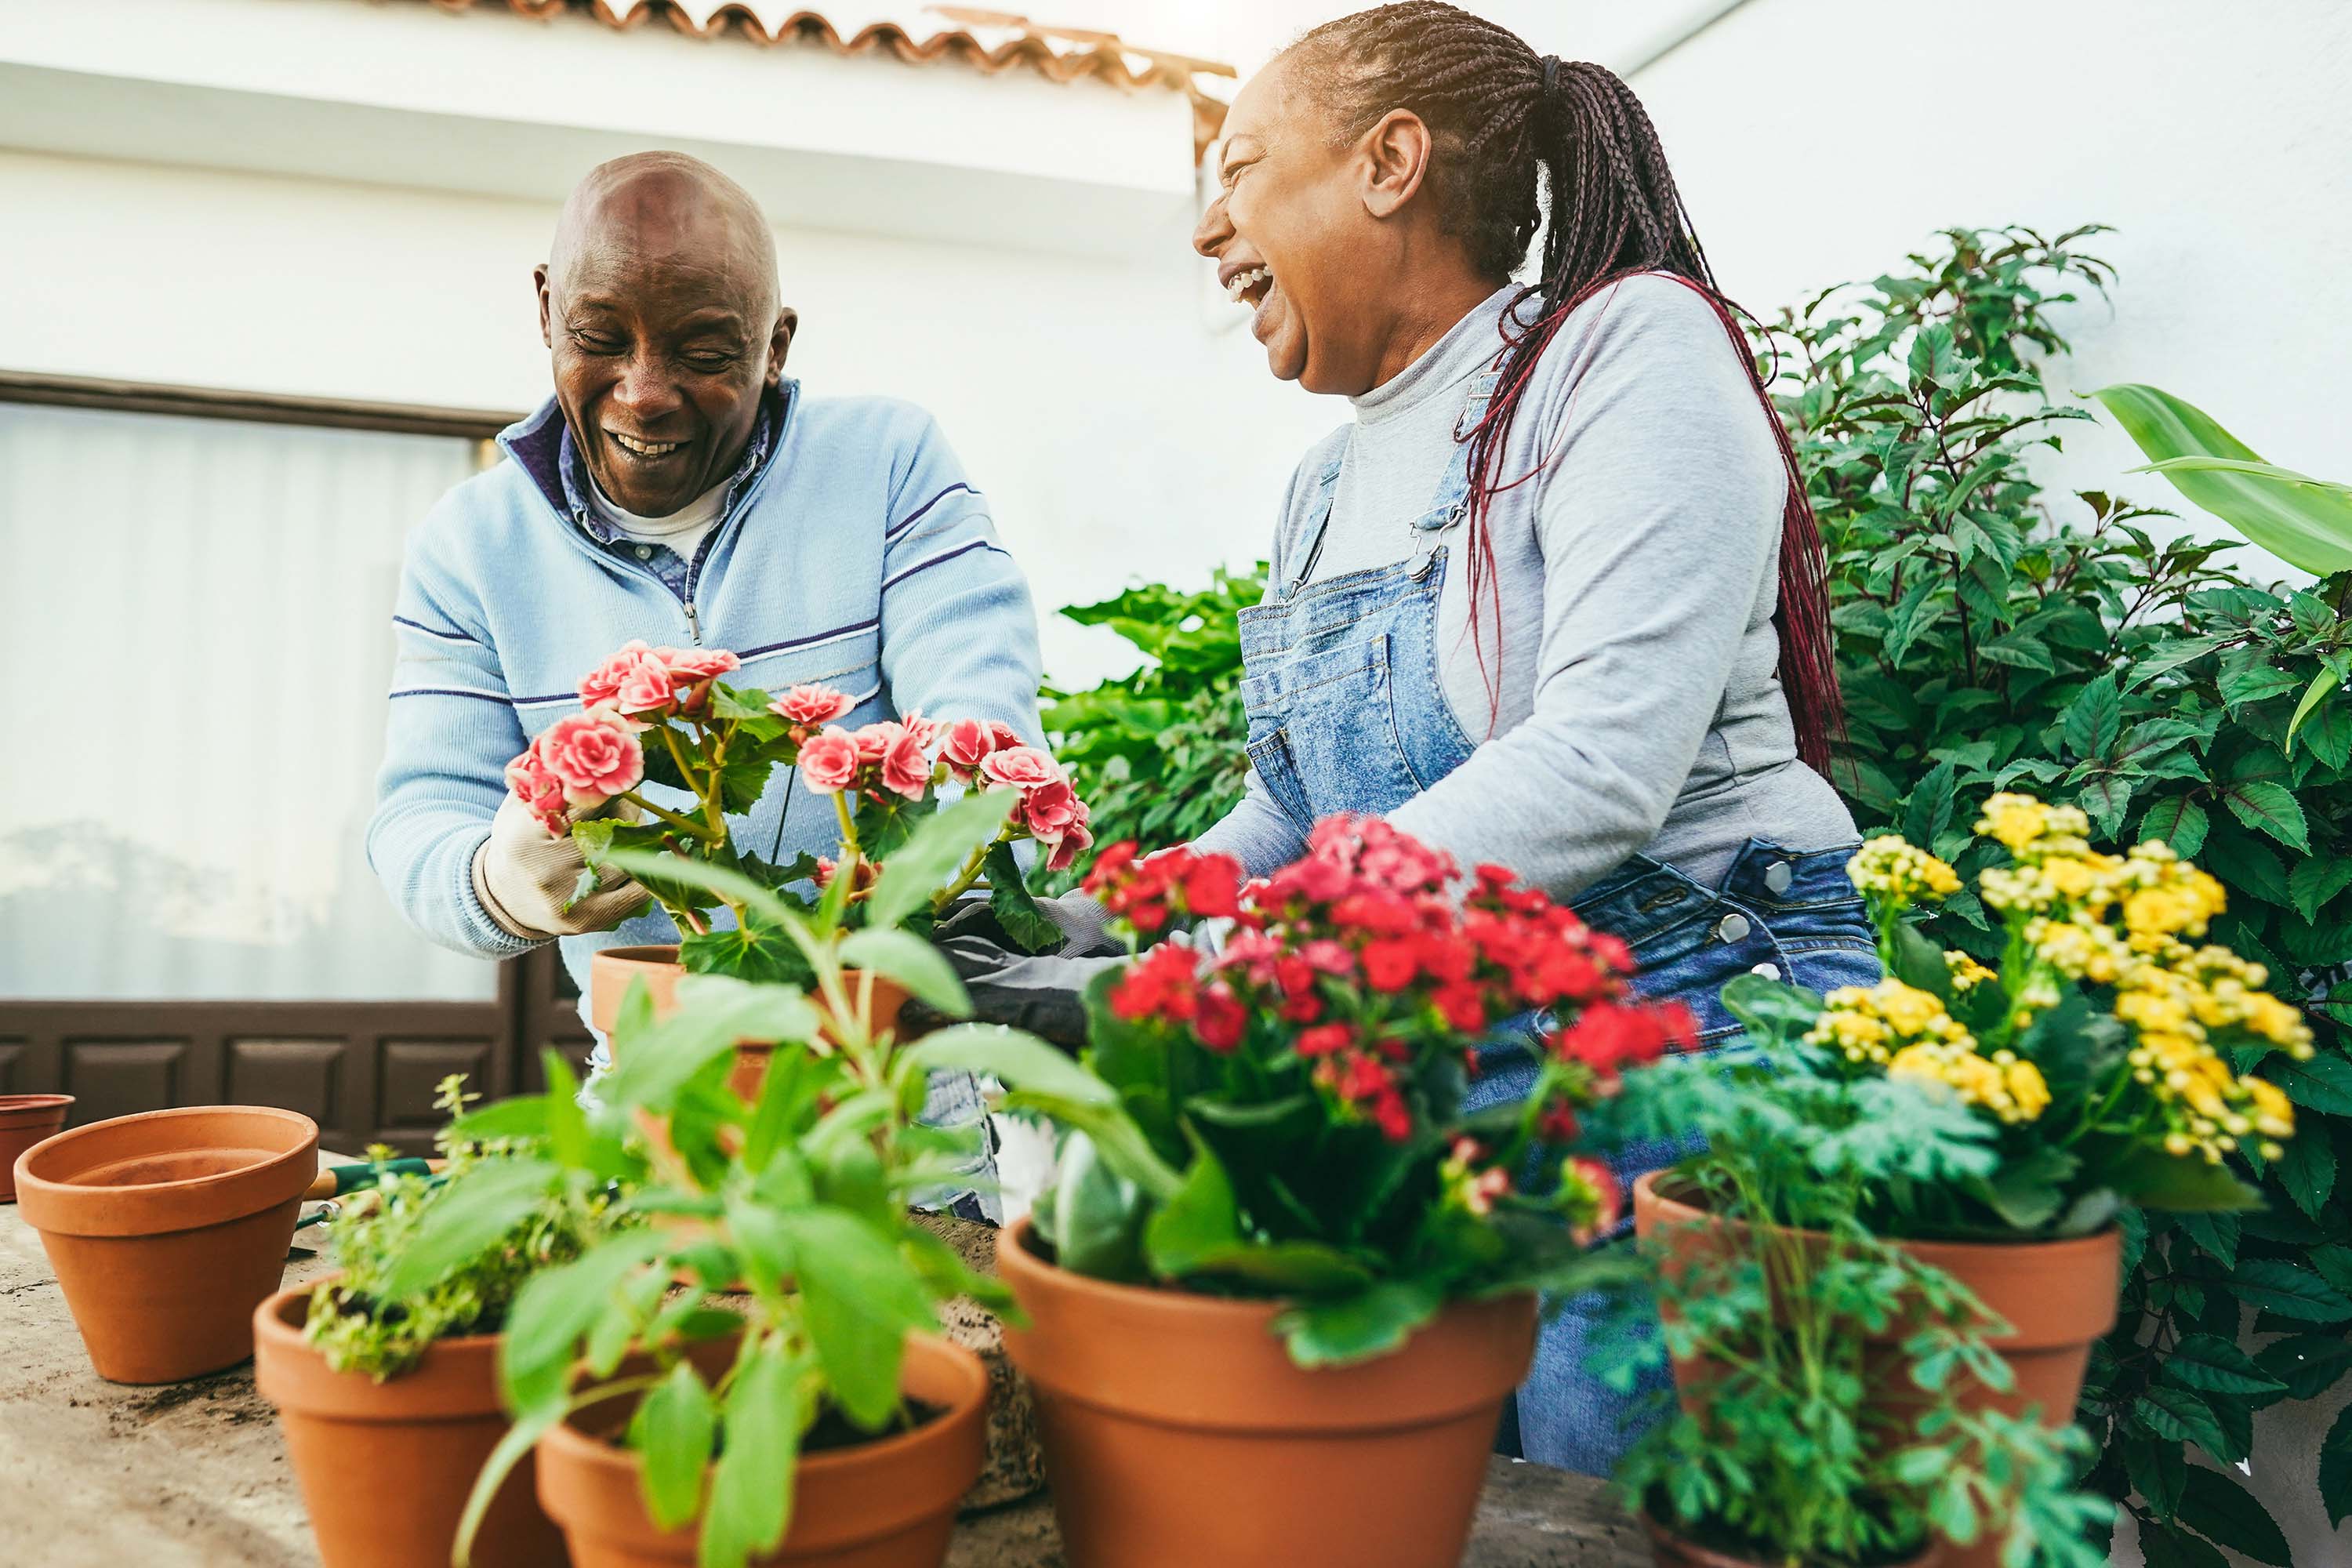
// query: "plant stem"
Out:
[850,853]
[685,824]
[971,872]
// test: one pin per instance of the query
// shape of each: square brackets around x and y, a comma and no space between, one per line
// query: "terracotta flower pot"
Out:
[2059,1297]
[385,1468]
[167,1229]
[612,971]
[24,1120]
[1674,1550]
[885,1504]
[1178,1431]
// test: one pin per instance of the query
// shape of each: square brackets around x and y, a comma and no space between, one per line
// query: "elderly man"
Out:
[676,487]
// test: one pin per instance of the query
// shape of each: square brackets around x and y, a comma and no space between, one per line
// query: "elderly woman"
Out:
[1554,597]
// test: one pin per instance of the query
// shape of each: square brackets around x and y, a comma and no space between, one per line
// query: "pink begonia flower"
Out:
[812,705]
[646,689]
[593,755]
[1076,840]
[969,741]
[603,684]
[1048,810]
[532,782]
[876,740]
[698,663]
[906,766]
[1020,767]
[829,761]
[868,874]
[924,731]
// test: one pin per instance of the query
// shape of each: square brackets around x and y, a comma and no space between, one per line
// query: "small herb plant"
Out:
[787,1213]
[2104,1061]
[1786,1447]
[663,716]
[1290,1117]
[389,1302]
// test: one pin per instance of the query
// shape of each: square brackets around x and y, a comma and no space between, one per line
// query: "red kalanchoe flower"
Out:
[1213,885]
[1607,1037]
[1219,1017]
[1163,984]
[1324,1039]
[1607,1194]
[1390,965]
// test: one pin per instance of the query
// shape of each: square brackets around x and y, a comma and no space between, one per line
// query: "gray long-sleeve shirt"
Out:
[1633,673]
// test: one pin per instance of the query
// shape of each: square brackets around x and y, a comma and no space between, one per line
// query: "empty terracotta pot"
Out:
[885,1504]
[418,1439]
[614,970]
[1177,1429]
[167,1229]
[2058,1297]
[24,1120]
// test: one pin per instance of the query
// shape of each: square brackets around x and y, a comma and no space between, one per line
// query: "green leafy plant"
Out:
[389,1301]
[1992,635]
[1158,753]
[1290,1122]
[787,1212]
[1820,1424]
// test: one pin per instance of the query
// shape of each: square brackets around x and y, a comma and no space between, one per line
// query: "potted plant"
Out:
[1283,1286]
[388,1369]
[1821,1422]
[793,1402]
[2109,1061]
[24,1120]
[663,716]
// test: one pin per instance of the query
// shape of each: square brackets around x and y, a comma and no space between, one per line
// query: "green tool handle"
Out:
[336,1179]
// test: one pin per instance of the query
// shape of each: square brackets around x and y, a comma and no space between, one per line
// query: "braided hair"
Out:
[1497,113]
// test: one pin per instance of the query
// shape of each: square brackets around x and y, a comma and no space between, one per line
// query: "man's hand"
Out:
[1083,921]
[525,879]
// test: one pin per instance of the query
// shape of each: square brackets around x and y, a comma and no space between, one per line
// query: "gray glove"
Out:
[524,879]
[1085,925]
[1044,995]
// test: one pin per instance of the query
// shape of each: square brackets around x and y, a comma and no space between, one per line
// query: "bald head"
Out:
[660,308]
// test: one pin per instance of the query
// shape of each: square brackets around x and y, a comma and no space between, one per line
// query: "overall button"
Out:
[644,552]
[1778,876]
[1768,971]
[1731,928]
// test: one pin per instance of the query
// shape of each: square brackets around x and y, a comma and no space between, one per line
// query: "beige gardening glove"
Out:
[524,879]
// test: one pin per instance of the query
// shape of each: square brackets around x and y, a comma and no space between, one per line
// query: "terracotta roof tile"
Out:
[989,41]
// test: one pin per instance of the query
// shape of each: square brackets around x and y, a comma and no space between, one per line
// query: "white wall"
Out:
[1120,429]
[1820,139]
[1817,141]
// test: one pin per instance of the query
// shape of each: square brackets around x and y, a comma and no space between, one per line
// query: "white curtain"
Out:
[195,623]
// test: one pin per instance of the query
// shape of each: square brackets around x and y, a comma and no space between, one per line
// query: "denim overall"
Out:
[1348,714]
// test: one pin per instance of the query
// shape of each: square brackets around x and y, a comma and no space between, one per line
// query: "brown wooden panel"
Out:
[295,1075]
[115,1077]
[409,1075]
[13,1065]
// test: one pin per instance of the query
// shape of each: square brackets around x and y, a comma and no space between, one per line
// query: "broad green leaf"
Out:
[2183,1416]
[932,854]
[2335,1469]
[2211,1364]
[861,1298]
[2304,522]
[467,1218]
[1031,928]
[1370,1323]
[2217,1234]
[751,1486]
[2157,1470]
[1097,1215]
[2307,1170]
[2168,1546]
[2153,1179]
[555,1308]
[2325,681]
[2094,719]
[2269,808]
[1772,1011]
[913,963]
[2216,1507]
[2178,821]
[2289,1290]
[2315,881]
[2323,1084]
[2308,1365]
[671,1431]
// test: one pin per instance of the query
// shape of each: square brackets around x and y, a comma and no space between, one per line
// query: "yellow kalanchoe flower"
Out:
[1967,973]
[2013,1089]
[1868,1023]
[2032,829]
[1893,868]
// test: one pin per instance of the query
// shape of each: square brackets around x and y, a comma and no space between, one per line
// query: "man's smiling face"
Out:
[658,307]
